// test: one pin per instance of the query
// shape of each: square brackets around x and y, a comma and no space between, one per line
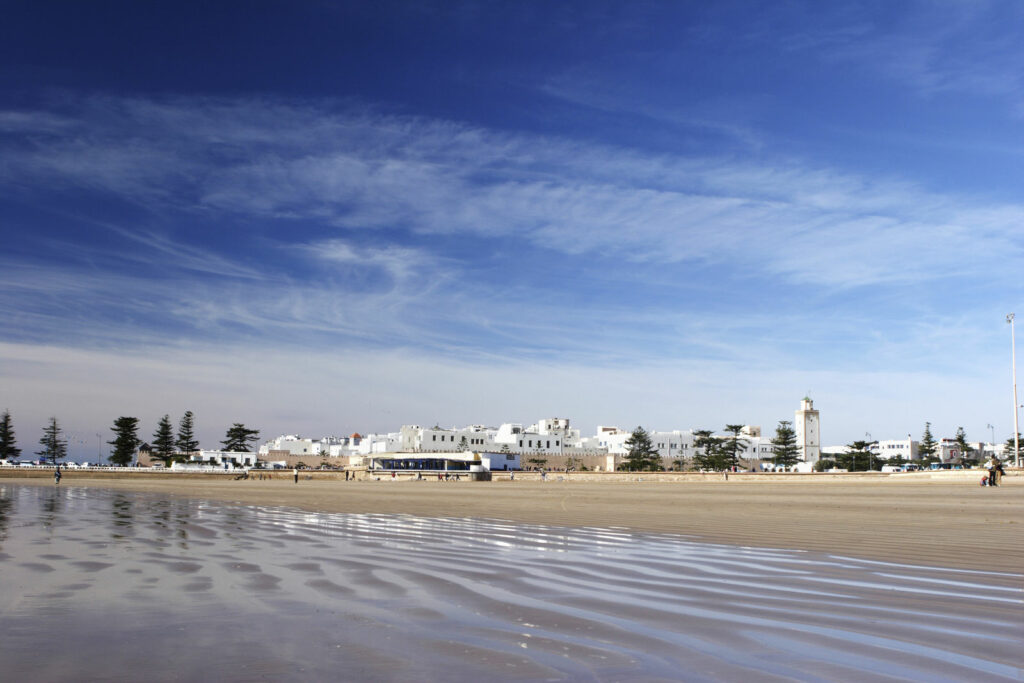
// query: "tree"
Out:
[463,444]
[126,440]
[825,464]
[733,444]
[707,452]
[239,438]
[505,449]
[538,462]
[8,451]
[961,443]
[642,454]
[187,442]
[858,458]
[784,445]
[926,449]
[55,446]
[163,441]
[1008,449]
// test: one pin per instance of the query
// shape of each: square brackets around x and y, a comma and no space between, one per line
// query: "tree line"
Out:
[167,446]
[720,453]
[710,452]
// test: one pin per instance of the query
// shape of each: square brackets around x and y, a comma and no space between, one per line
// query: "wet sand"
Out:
[104,583]
[943,523]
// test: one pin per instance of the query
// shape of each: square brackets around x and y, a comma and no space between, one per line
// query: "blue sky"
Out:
[332,217]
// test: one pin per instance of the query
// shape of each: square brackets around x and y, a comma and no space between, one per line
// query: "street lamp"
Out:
[1013,356]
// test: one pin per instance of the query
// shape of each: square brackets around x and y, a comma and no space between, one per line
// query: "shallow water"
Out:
[103,584]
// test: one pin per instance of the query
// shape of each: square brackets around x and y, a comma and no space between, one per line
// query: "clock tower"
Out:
[808,431]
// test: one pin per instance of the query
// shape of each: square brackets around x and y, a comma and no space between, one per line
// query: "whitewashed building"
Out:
[896,448]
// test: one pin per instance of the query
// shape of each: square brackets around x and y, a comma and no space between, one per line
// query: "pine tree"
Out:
[642,454]
[55,446]
[126,440]
[705,450]
[163,441]
[1008,452]
[187,442]
[858,458]
[239,438]
[784,445]
[961,443]
[463,444]
[733,445]
[8,451]
[926,449]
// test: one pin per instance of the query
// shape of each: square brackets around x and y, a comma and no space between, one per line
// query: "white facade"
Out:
[294,445]
[226,459]
[896,448]
[807,426]
[519,440]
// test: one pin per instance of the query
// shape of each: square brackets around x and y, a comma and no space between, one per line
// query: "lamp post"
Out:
[1013,356]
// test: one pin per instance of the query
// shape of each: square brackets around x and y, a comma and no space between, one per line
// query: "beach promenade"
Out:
[937,521]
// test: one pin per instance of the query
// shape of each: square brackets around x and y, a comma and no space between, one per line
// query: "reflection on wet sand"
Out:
[248,592]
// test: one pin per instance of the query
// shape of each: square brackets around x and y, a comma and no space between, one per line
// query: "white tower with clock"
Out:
[808,431]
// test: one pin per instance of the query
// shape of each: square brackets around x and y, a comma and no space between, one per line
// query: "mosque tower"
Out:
[808,431]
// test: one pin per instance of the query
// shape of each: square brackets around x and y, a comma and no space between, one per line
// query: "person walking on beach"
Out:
[295,473]
[56,475]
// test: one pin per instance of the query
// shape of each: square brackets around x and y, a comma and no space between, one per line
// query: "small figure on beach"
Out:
[995,472]
[295,473]
[512,477]
[56,475]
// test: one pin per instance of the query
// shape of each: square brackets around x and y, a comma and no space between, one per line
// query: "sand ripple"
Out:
[385,597]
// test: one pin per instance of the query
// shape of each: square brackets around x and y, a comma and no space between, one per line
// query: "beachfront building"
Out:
[807,425]
[676,445]
[896,448]
[518,440]
[670,445]
[417,439]
[290,444]
[227,460]
[478,464]
[546,438]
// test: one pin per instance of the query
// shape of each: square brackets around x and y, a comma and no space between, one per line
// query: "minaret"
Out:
[808,431]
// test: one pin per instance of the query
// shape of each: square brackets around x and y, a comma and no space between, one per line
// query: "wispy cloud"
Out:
[363,171]
[934,48]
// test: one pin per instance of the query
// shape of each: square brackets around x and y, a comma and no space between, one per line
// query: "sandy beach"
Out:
[509,581]
[944,523]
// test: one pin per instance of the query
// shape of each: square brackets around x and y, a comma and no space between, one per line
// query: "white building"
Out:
[680,444]
[807,426]
[292,444]
[896,448]
[227,460]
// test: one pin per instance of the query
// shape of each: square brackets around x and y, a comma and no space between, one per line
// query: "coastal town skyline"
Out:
[336,216]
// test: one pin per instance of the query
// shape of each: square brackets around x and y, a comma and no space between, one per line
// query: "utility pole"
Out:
[1013,355]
